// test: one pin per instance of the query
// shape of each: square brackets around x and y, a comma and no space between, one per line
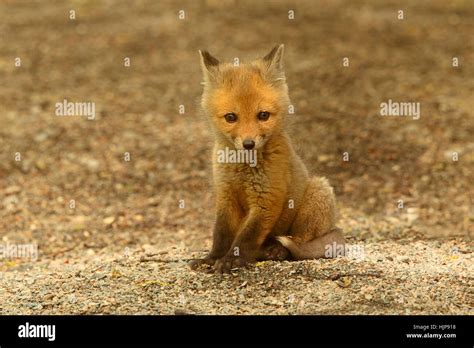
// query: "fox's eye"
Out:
[230,117]
[263,115]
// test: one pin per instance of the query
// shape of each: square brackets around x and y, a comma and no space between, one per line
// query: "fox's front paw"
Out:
[225,264]
[209,261]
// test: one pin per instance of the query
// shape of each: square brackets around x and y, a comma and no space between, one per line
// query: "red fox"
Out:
[272,210]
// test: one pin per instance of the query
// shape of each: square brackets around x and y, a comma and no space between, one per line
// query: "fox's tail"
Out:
[315,248]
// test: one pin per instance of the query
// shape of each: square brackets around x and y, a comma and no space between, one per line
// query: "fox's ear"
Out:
[209,65]
[275,57]
[273,63]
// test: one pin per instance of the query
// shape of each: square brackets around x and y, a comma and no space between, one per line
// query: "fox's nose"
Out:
[248,144]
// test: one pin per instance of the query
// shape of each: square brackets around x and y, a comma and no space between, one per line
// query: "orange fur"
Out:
[276,198]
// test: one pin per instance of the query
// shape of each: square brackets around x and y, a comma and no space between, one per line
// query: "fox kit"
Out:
[272,210]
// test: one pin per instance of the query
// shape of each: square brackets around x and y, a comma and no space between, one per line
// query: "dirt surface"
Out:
[110,233]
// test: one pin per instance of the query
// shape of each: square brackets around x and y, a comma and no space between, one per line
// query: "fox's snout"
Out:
[248,144]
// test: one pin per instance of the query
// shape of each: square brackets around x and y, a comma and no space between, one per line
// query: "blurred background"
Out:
[120,203]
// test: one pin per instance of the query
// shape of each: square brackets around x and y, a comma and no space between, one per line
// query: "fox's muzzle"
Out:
[248,144]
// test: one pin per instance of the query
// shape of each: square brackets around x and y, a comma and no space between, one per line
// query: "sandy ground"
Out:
[432,280]
[110,234]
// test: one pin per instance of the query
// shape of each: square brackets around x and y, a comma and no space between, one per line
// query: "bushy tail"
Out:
[315,248]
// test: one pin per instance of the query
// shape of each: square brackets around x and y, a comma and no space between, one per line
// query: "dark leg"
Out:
[225,228]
